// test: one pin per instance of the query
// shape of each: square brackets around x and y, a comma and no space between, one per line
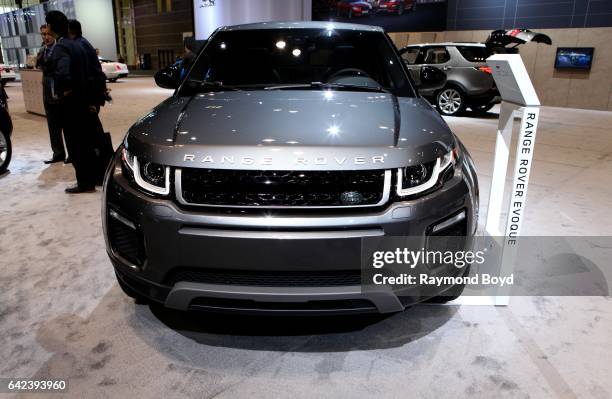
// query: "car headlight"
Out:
[418,178]
[128,160]
[149,176]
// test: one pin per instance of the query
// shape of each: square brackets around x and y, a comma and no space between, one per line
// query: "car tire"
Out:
[6,151]
[127,290]
[482,109]
[450,101]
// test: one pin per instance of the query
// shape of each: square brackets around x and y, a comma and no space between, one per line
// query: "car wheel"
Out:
[482,109]
[6,151]
[127,290]
[450,101]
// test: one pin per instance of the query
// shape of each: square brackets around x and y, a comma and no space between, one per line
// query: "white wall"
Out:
[233,12]
[98,22]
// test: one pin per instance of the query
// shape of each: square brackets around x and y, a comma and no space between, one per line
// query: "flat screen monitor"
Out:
[574,58]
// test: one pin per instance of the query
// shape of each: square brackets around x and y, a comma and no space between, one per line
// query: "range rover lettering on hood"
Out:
[268,161]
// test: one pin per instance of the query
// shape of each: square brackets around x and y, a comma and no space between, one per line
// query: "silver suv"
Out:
[252,188]
[469,81]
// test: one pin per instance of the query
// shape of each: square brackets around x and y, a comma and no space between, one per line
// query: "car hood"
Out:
[291,129]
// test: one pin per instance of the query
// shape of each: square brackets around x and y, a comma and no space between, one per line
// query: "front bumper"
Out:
[116,75]
[236,252]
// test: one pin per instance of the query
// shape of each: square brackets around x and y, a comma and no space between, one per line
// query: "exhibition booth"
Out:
[309,198]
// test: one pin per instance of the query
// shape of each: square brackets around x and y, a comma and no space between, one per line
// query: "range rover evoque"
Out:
[251,188]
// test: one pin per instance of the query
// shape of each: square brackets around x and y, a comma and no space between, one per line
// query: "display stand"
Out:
[518,96]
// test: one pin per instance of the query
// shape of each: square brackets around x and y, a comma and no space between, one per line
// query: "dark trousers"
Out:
[54,122]
[103,145]
[79,140]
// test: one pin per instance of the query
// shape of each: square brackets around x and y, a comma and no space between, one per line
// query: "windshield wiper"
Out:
[202,84]
[323,86]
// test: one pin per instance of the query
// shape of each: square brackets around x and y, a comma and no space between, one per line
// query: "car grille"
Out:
[324,278]
[248,188]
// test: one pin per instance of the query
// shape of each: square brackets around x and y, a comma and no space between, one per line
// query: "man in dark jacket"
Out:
[97,95]
[69,63]
[51,104]
[93,70]
[189,56]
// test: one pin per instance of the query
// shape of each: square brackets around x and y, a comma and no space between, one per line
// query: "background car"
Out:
[7,74]
[6,129]
[354,8]
[469,82]
[396,6]
[114,70]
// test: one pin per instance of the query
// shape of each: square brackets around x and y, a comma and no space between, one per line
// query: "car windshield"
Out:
[304,59]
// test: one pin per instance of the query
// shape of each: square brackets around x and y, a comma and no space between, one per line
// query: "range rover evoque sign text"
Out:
[268,161]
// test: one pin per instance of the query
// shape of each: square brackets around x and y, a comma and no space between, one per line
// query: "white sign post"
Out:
[518,94]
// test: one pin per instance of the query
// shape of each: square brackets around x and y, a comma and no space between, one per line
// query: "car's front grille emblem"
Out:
[351,198]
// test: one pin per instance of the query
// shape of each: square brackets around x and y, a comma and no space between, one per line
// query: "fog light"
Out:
[121,219]
[448,222]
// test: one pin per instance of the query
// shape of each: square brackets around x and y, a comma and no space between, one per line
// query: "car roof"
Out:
[448,44]
[304,25]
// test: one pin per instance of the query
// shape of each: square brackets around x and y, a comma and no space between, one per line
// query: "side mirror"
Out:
[166,79]
[432,76]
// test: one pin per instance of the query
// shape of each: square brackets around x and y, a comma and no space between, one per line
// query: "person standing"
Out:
[68,63]
[51,104]
[189,56]
[97,95]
